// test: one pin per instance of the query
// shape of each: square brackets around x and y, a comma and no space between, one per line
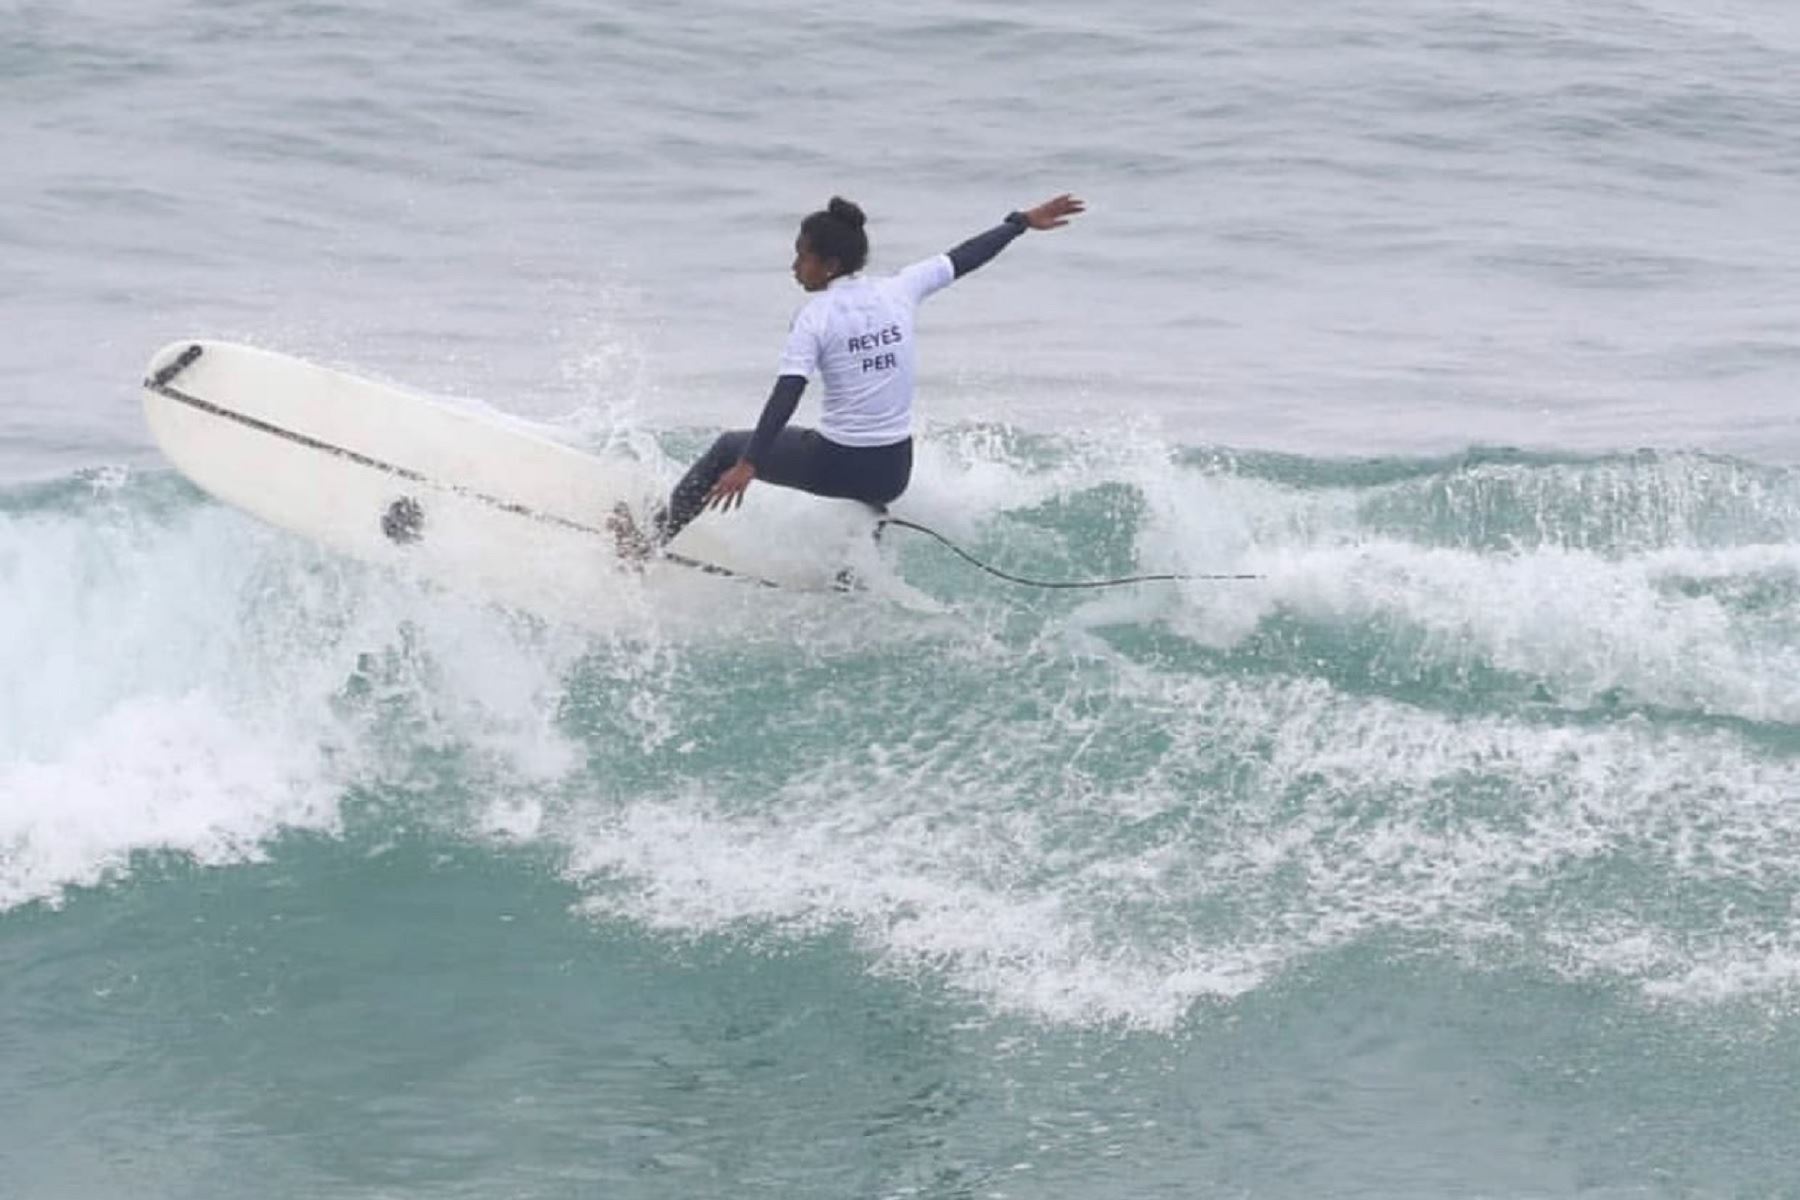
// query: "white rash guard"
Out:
[858,335]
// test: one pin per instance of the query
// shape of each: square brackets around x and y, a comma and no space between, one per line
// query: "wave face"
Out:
[1526,712]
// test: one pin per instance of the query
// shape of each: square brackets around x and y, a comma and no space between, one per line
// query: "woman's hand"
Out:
[1055,212]
[728,493]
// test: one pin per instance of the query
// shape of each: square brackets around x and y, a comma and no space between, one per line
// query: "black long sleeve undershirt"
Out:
[777,411]
[983,246]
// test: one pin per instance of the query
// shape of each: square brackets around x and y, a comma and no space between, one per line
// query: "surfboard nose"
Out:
[171,361]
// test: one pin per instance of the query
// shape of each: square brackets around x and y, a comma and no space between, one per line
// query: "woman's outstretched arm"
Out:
[1051,214]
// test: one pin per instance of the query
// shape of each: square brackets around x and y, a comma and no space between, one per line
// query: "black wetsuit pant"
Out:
[797,458]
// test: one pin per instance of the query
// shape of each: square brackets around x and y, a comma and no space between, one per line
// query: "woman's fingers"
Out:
[1055,212]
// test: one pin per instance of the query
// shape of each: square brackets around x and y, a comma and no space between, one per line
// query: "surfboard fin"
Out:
[404,521]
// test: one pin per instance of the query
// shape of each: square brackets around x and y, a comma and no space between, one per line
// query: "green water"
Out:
[1454,857]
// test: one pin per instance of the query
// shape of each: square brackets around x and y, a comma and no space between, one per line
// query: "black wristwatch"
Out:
[1017,218]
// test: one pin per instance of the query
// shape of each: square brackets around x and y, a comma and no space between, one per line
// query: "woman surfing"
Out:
[856,333]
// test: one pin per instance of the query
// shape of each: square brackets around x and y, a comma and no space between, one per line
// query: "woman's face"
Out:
[810,271]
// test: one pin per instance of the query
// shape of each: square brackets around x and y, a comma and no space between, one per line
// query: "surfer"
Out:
[856,333]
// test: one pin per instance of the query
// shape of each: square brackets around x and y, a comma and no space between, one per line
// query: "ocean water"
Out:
[1456,856]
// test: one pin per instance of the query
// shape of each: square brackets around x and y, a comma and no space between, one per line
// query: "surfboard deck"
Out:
[398,479]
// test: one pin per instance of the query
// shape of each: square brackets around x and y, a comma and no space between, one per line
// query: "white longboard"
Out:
[397,479]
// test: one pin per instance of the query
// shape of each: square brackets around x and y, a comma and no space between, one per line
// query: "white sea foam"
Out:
[1589,624]
[173,774]
[1005,866]
[186,681]
[1060,825]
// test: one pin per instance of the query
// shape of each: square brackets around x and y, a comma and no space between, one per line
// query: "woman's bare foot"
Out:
[629,541]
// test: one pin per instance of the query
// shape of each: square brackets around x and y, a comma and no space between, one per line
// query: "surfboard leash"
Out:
[1051,584]
[162,382]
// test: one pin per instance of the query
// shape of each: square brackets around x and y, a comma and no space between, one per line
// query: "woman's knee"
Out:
[728,447]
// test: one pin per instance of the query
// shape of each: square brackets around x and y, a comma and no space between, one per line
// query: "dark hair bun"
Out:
[846,212]
[836,232]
